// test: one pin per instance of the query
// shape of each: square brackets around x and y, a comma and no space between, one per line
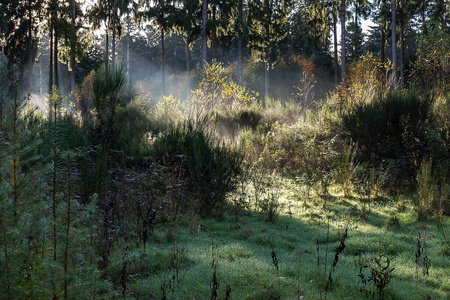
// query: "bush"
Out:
[207,165]
[431,69]
[391,127]
[133,127]
[433,191]
[217,92]
[367,77]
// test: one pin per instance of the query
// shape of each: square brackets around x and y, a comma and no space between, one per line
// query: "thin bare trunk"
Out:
[402,52]
[343,53]
[50,77]
[107,52]
[204,41]
[266,79]
[214,36]
[240,24]
[383,34]
[73,48]
[55,59]
[422,14]
[113,50]
[394,43]
[355,41]
[163,68]
[267,57]
[335,56]
[30,48]
[188,70]
[163,52]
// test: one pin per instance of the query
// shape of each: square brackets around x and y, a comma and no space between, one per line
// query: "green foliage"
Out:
[216,92]
[366,79]
[433,191]
[381,273]
[391,127]
[266,20]
[106,90]
[133,127]
[431,69]
[169,110]
[208,166]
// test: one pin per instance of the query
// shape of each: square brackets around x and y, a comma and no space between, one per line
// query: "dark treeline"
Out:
[58,42]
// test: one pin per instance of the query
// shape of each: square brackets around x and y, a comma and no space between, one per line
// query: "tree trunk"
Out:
[163,51]
[204,41]
[55,59]
[30,48]
[113,50]
[107,52]
[73,44]
[355,41]
[267,56]
[394,43]
[402,52]
[343,53]
[335,42]
[214,35]
[188,69]
[266,79]
[422,14]
[240,24]
[163,67]
[50,77]
[383,34]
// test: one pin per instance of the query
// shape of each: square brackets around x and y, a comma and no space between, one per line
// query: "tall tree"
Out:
[186,23]
[383,12]
[394,42]
[343,12]
[361,9]
[204,37]
[334,13]
[19,30]
[120,8]
[266,19]
[161,13]
[100,16]
[240,31]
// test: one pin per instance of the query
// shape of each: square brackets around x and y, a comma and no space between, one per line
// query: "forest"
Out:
[238,149]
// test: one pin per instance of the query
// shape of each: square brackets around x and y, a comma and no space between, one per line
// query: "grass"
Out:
[241,246]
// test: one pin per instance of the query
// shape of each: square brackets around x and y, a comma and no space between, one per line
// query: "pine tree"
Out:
[266,19]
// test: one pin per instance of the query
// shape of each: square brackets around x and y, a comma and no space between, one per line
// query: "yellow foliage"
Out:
[366,78]
[217,91]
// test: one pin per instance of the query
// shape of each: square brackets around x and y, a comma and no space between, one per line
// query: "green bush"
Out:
[433,191]
[207,166]
[134,127]
[395,127]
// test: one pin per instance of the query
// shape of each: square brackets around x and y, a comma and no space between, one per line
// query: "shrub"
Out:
[366,78]
[107,95]
[169,110]
[391,127]
[217,92]
[207,165]
[433,191]
[431,69]
[133,127]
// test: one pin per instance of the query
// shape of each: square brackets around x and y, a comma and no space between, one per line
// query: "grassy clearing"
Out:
[243,247]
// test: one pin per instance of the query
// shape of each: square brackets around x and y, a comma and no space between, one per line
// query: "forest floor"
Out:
[240,254]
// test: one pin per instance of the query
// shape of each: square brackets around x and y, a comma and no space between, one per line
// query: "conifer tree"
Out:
[266,19]
[187,23]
